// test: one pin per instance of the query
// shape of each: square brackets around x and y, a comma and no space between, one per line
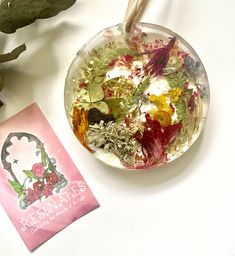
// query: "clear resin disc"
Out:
[137,102]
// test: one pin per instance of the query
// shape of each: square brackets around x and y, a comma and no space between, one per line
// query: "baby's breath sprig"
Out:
[116,139]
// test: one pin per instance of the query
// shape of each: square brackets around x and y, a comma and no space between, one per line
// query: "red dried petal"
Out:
[171,132]
[191,102]
[82,85]
[155,139]
[152,142]
[159,59]
[113,63]
[128,58]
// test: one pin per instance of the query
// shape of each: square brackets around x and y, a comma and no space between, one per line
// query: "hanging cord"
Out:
[133,12]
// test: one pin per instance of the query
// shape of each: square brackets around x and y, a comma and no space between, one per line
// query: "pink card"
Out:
[41,189]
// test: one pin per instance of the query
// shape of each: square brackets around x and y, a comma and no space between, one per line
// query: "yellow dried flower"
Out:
[175,94]
[153,98]
[163,117]
[161,102]
[80,125]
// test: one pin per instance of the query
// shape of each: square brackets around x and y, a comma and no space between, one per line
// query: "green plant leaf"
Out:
[43,157]
[14,184]
[143,86]
[29,173]
[17,187]
[98,60]
[95,93]
[114,106]
[13,54]
[119,107]
[15,14]
[175,73]
[176,80]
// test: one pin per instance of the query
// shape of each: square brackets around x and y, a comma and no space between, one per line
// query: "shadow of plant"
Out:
[36,67]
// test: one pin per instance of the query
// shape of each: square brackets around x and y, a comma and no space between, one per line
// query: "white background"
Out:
[186,208]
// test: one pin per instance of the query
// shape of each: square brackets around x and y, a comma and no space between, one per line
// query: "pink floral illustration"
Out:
[48,189]
[52,178]
[32,196]
[42,181]
[38,186]
[38,170]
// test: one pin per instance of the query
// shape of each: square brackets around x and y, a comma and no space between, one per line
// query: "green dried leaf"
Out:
[174,73]
[181,110]
[115,107]
[182,107]
[176,80]
[120,87]
[95,93]
[15,14]
[184,115]
[13,54]
[143,86]
[98,60]
[101,105]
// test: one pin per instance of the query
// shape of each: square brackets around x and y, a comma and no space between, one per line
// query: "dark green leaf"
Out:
[14,54]
[29,173]
[15,14]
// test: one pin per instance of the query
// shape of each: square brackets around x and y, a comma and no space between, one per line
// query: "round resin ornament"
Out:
[139,102]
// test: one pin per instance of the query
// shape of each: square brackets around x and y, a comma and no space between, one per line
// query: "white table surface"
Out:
[186,208]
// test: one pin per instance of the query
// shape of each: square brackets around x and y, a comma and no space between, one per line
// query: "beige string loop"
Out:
[134,9]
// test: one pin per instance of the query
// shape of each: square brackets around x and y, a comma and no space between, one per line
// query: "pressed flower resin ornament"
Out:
[136,99]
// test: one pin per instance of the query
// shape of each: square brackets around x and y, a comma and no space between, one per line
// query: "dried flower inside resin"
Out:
[159,58]
[115,139]
[137,104]
[80,125]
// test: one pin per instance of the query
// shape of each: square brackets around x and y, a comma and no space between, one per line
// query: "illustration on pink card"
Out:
[41,189]
[41,180]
